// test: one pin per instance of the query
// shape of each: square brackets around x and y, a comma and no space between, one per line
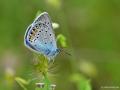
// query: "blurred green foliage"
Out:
[81,82]
[62,39]
[91,31]
[22,82]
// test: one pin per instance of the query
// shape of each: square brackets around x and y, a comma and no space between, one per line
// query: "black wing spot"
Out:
[33,29]
[50,34]
[38,34]
[45,31]
[40,25]
[48,22]
[34,39]
[39,31]
[45,43]
[36,26]
[37,37]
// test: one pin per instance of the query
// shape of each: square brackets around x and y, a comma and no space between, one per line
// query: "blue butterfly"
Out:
[39,37]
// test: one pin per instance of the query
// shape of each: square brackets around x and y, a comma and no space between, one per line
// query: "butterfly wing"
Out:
[40,37]
[44,22]
[43,18]
[30,40]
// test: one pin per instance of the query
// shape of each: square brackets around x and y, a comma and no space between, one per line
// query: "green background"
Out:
[92,31]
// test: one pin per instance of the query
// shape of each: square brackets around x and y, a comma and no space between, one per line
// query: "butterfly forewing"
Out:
[44,23]
[43,18]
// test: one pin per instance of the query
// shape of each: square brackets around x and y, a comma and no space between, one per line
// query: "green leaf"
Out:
[38,12]
[22,82]
[62,39]
[81,82]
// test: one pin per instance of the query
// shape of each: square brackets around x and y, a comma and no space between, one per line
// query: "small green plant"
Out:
[41,66]
[22,82]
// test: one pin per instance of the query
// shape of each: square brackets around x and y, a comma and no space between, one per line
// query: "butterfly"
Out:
[40,38]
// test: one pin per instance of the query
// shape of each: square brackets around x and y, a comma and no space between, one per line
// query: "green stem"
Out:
[47,82]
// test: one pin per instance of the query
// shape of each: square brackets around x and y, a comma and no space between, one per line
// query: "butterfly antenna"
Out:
[62,50]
